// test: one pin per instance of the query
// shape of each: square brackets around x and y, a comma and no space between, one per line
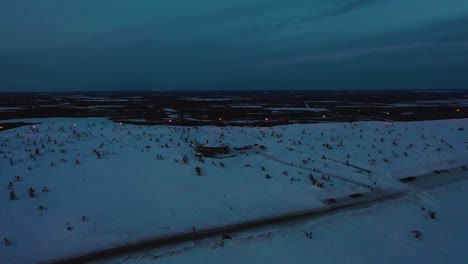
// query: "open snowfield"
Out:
[109,174]
[382,233]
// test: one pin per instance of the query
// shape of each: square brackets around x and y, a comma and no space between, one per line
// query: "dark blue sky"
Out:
[57,45]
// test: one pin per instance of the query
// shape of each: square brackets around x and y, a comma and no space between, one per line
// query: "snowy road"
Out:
[422,183]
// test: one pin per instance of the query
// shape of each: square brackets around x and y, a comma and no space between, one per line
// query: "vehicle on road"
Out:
[329,201]
[355,195]
[408,179]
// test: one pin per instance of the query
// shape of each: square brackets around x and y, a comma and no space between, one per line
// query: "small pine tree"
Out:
[98,154]
[12,195]
[432,214]
[198,170]
[417,234]
[31,193]
[7,242]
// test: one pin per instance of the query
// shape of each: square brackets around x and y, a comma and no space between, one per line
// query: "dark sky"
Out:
[57,45]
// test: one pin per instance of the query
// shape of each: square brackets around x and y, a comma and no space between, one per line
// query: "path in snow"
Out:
[345,203]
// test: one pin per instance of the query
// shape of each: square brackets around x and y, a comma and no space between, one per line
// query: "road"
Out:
[273,158]
[424,182]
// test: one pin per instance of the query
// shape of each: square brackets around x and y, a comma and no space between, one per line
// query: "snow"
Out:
[381,233]
[208,99]
[105,106]
[98,99]
[428,168]
[128,194]
[298,109]
[246,106]
[8,109]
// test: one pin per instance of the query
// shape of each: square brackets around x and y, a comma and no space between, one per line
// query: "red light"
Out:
[170,120]
[266,119]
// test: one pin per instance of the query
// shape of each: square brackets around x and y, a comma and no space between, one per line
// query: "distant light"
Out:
[74,125]
[324,116]
[266,119]
[1,127]
[170,120]
[120,123]
[458,110]
[220,119]
[387,113]
[33,126]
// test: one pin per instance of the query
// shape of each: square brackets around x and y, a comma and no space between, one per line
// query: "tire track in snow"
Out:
[345,203]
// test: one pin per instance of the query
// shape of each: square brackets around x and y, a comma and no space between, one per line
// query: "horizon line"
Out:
[233,91]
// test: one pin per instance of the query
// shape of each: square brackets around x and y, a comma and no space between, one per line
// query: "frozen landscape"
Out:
[266,131]
[97,184]
[383,233]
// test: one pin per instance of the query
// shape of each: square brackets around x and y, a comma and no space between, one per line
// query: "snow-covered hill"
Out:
[97,183]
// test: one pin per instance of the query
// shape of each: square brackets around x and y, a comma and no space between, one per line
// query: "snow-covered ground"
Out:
[105,185]
[382,233]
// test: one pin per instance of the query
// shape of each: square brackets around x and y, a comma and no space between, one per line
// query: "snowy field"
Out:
[98,184]
[383,233]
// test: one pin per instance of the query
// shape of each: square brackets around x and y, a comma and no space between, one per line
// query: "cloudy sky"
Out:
[61,45]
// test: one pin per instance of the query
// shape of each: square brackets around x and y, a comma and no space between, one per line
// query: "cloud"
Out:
[354,53]
[184,44]
[347,6]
